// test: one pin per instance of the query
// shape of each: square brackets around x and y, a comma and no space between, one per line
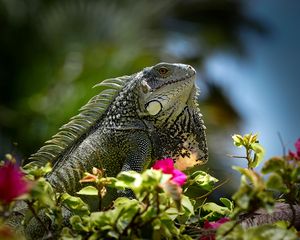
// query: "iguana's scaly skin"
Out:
[140,118]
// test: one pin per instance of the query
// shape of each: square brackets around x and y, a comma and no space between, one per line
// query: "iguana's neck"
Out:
[180,134]
[178,113]
[122,111]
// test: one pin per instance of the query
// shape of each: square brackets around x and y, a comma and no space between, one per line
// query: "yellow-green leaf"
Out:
[89,190]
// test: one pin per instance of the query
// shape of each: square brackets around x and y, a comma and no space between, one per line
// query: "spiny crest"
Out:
[80,124]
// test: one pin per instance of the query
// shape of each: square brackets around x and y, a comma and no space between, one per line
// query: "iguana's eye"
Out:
[163,70]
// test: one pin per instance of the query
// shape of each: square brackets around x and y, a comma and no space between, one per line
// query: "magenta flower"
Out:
[178,177]
[12,183]
[297,145]
[213,225]
[295,155]
[167,166]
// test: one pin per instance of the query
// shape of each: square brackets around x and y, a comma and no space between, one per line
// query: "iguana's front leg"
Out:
[138,152]
[138,148]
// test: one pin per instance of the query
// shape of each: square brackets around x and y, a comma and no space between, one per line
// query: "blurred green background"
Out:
[53,51]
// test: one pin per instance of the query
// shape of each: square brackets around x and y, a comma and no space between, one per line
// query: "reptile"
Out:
[135,120]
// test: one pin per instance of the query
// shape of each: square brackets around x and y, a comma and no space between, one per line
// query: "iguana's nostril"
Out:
[191,70]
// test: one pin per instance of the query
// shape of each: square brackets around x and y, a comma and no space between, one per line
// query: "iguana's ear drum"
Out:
[153,107]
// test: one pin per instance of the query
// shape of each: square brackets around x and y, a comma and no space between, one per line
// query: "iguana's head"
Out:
[165,88]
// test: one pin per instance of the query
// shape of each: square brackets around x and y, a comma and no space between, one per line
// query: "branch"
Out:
[281,212]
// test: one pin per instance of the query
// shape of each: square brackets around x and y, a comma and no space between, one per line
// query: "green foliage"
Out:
[88,190]
[35,172]
[263,232]
[227,203]
[162,209]
[257,193]
[74,204]
[284,177]
[203,180]
[252,193]
[213,211]
[152,213]
[254,151]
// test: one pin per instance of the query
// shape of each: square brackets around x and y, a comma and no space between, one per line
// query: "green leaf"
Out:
[242,200]
[252,138]
[104,220]
[238,140]
[89,190]
[253,177]
[125,202]
[295,175]
[129,179]
[37,171]
[66,234]
[235,234]
[115,183]
[128,176]
[269,232]
[275,183]
[263,232]
[259,154]
[167,227]
[75,204]
[187,210]
[187,205]
[214,210]
[172,212]
[126,217]
[227,203]
[275,164]
[43,193]
[203,180]
[78,224]
[116,220]
[152,177]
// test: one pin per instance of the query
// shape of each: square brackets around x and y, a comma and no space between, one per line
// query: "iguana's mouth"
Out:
[188,78]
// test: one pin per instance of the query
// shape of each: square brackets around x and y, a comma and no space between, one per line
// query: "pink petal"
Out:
[178,177]
[215,225]
[297,145]
[293,155]
[208,225]
[12,183]
[223,220]
[166,165]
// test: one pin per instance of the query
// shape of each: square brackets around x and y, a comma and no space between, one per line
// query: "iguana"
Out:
[137,119]
[140,118]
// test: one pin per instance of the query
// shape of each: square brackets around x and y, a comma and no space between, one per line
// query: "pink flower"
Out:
[295,155]
[178,177]
[297,146]
[213,225]
[12,183]
[167,166]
